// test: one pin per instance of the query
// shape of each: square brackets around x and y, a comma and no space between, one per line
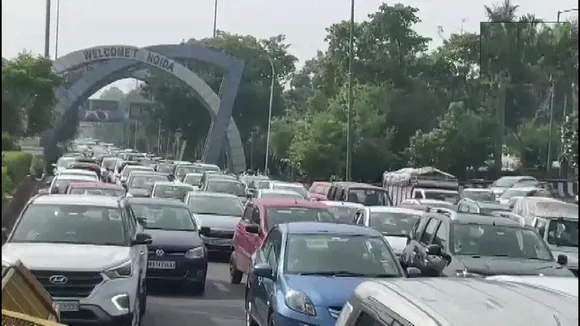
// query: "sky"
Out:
[88,23]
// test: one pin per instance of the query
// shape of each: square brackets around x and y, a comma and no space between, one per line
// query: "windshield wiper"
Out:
[336,274]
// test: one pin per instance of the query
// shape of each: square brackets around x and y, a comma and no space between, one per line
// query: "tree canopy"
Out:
[458,107]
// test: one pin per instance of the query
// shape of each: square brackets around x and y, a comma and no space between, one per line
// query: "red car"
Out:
[259,216]
[318,191]
[96,188]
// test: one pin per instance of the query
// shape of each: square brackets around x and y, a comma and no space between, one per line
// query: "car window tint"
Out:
[441,235]
[429,231]
[256,216]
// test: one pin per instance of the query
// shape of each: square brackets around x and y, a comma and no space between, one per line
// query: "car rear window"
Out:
[280,215]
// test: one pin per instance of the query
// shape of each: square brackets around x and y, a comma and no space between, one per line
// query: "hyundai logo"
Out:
[159,252]
[58,279]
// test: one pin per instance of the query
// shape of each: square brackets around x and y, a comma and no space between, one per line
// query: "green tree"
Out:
[27,95]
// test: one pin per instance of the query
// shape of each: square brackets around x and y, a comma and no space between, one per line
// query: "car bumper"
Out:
[94,315]
[186,270]
[288,317]
[211,244]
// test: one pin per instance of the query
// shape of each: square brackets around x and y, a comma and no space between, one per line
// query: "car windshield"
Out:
[165,217]
[478,195]
[193,179]
[279,215]
[390,223]
[262,184]
[98,192]
[498,241]
[314,254]
[165,168]
[171,191]
[145,181]
[182,170]
[563,233]
[289,195]
[491,209]
[78,224]
[449,197]
[510,193]
[64,162]
[132,168]
[109,163]
[83,173]
[343,214]
[297,189]
[59,185]
[368,196]
[228,206]
[227,187]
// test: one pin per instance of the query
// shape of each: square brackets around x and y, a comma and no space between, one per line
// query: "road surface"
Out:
[221,305]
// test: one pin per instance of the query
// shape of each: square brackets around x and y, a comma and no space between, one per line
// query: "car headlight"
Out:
[121,271]
[299,302]
[195,253]
[465,273]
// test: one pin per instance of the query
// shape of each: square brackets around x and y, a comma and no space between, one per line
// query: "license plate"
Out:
[160,264]
[64,306]
[219,242]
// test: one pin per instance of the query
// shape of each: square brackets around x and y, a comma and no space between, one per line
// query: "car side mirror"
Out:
[53,165]
[562,259]
[263,270]
[413,272]
[249,193]
[204,230]
[4,234]
[434,250]
[142,239]
[48,182]
[253,228]
[43,191]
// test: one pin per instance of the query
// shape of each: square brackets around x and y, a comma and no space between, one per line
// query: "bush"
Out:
[8,143]
[17,166]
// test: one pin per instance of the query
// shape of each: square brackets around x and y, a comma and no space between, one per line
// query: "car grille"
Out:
[153,253]
[77,285]
[334,311]
[221,234]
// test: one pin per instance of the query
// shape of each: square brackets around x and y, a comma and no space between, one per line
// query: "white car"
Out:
[59,183]
[81,172]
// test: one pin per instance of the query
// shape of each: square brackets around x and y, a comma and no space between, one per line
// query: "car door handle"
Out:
[142,252]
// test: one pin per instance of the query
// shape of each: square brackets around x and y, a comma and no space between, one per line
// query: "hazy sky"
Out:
[87,23]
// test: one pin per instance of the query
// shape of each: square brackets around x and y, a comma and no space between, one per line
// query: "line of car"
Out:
[307,260]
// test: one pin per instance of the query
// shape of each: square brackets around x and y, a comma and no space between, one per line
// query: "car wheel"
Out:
[136,316]
[235,274]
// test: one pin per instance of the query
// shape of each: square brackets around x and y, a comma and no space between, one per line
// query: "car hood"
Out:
[397,243]
[325,291]
[567,285]
[64,256]
[218,222]
[488,266]
[174,240]
[498,190]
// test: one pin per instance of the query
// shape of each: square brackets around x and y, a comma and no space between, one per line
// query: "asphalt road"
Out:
[221,305]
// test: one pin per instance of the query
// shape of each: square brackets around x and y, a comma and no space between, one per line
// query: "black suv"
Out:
[446,243]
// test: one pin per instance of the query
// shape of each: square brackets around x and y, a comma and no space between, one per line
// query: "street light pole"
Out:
[350,96]
[57,29]
[215,11]
[47,30]
[266,171]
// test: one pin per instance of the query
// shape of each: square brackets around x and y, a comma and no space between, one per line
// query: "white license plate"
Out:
[67,306]
[160,264]
[219,242]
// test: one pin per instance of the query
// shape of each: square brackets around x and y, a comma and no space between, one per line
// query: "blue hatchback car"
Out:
[304,272]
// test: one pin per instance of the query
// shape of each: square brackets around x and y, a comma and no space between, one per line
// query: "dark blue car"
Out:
[305,272]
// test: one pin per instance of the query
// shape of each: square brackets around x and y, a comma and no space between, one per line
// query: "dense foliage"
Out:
[456,107]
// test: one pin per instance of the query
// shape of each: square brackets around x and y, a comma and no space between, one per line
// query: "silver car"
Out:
[89,252]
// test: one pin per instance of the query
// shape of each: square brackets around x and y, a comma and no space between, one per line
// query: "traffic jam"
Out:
[419,249]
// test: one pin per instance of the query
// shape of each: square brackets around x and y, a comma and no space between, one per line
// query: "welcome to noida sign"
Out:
[112,52]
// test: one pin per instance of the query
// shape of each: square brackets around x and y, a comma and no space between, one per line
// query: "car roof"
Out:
[278,191]
[290,184]
[524,188]
[224,179]
[467,218]
[441,191]
[326,228]
[333,203]
[74,177]
[455,301]
[95,185]
[82,200]
[155,201]
[83,171]
[286,202]
[194,173]
[477,189]
[356,185]
[567,285]
[211,194]
[390,209]
[173,184]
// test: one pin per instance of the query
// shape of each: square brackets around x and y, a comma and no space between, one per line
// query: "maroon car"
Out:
[96,188]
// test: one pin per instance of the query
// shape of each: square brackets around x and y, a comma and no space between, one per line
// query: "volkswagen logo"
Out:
[58,279]
[159,252]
